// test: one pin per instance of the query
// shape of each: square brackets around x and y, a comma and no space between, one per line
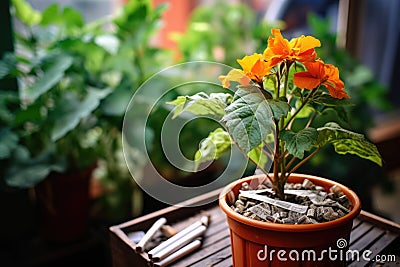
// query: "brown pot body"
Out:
[255,243]
[63,201]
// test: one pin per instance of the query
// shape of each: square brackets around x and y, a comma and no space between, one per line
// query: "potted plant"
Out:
[50,129]
[287,83]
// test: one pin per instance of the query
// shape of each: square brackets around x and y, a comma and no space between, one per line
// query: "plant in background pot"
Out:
[282,216]
[50,129]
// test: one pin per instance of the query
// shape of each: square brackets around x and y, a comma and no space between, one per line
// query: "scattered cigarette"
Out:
[189,248]
[204,221]
[150,233]
[168,231]
[190,237]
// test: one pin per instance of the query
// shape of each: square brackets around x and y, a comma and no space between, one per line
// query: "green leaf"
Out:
[297,143]
[8,142]
[266,93]
[8,100]
[248,119]
[68,17]
[70,111]
[116,103]
[202,104]
[345,141]
[8,65]
[279,108]
[25,13]
[213,147]
[25,171]
[327,100]
[50,77]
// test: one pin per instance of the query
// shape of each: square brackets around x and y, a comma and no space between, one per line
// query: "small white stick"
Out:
[189,248]
[190,237]
[203,221]
[150,233]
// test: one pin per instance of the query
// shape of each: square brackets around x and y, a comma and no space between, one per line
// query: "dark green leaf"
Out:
[50,77]
[8,65]
[8,142]
[70,111]
[213,147]
[345,141]
[202,104]
[249,119]
[26,171]
[279,108]
[297,143]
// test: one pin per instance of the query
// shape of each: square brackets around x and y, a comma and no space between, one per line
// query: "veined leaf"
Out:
[202,104]
[248,119]
[50,77]
[213,147]
[70,111]
[345,141]
[297,143]
[279,108]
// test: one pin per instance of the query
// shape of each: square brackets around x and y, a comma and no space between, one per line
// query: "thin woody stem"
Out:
[303,104]
[301,163]
[311,120]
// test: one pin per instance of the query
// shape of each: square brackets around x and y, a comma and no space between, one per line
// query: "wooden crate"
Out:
[369,232]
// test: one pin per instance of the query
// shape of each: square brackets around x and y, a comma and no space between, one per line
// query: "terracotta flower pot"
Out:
[255,243]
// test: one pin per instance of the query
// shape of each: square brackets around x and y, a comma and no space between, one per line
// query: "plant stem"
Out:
[311,120]
[301,163]
[303,104]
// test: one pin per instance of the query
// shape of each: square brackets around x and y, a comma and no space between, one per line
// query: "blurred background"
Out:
[69,68]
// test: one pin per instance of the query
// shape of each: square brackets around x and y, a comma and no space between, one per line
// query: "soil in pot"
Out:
[260,242]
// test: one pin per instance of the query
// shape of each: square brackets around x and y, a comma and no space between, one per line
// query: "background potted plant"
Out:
[287,82]
[50,126]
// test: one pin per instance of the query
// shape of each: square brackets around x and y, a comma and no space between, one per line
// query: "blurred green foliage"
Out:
[75,82]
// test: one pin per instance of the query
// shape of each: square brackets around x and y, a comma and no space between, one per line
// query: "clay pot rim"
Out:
[353,198]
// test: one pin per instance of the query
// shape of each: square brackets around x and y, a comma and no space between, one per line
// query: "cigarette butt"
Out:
[203,221]
[149,234]
[190,237]
[189,248]
[168,230]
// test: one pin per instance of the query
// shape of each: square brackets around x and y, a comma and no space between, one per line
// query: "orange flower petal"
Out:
[254,67]
[234,75]
[298,49]
[306,80]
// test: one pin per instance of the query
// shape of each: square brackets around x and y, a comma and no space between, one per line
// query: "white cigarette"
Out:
[203,221]
[150,233]
[189,248]
[199,231]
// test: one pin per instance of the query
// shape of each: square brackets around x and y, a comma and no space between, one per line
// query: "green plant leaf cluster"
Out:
[76,79]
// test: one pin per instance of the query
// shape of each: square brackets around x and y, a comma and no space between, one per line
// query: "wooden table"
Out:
[371,232]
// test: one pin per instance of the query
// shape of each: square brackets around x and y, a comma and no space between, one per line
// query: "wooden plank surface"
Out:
[368,232]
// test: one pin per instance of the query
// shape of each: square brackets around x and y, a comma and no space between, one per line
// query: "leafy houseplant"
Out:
[287,83]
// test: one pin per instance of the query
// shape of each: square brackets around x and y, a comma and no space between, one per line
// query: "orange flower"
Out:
[234,75]
[319,73]
[254,68]
[298,49]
